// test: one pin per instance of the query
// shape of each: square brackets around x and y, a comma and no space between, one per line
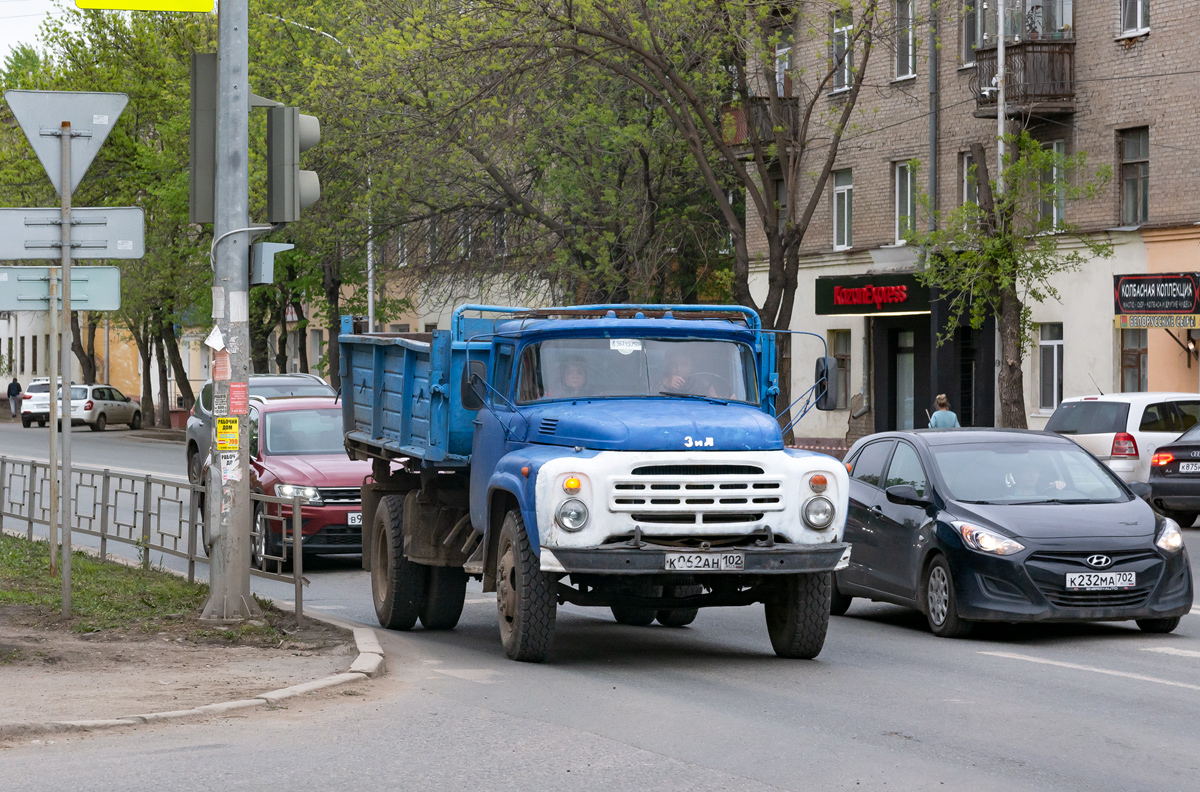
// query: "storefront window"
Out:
[1050,351]
[839,347]
[1133,361]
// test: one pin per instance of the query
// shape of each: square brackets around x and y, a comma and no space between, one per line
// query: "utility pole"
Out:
[229,508]
[1001,108]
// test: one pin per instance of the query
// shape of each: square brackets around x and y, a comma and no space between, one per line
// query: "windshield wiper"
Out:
[1054,500]
[982,503]
[713,399]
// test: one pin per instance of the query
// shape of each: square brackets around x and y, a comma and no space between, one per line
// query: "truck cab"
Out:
[625,457]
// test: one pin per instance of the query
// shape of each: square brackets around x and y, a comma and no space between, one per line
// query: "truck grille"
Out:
[696,494]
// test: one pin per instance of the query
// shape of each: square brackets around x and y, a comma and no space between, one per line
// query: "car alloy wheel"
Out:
[938,595]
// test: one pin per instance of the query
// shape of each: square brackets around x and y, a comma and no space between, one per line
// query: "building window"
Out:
[1133,361]
[401,251]
[906,31]
[399,328]
[1050,359]
[430,327]
[1052,211]
[33,355]
[783,64]
[843,209]
[968,32]
[1135,175]
[843,58]
[1135,16]
[905,201]
[839,347]
[970,187]
[21,353]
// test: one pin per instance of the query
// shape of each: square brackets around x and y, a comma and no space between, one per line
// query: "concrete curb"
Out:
[369,663]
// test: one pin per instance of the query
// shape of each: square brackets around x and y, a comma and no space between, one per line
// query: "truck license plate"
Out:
[354,518]
[1092,581]
[704,562]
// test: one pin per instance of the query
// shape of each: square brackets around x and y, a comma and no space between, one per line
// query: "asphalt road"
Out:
[886,706]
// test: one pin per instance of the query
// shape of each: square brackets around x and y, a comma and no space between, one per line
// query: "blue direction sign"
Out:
[28,288]
[96,233]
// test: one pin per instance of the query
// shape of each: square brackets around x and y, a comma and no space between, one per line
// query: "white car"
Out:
[35,403]
[97,406]
[1123,430]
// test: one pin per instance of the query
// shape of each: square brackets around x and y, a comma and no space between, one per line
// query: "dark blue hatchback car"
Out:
[1005,525]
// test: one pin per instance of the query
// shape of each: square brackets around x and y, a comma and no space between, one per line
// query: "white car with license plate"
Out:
[98,406]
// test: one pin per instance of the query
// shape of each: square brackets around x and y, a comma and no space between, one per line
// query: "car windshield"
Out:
[304,432]
[603,368]
[1023,472]
[276,390]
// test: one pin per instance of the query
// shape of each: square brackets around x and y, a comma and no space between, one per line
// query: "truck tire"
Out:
[634,617]
[680,617]
[397,584]
[525,597]
[839,603]
[443,598]
[798,615]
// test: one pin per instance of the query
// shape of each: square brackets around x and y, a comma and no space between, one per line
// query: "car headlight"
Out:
[818,512]
[1170,538]
[308,494]
[986,541]
[572,515]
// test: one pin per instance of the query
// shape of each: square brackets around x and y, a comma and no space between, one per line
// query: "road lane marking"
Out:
[1171,650]
[1093,669]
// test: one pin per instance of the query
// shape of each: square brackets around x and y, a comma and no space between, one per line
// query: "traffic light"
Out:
[203,138]
[290,189]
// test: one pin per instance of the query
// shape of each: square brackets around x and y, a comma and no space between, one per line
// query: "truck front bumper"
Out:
[649,559]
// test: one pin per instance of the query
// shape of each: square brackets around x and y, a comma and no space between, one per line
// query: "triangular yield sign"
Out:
[91,115]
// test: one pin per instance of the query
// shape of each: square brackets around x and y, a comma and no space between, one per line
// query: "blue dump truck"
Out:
[618,456]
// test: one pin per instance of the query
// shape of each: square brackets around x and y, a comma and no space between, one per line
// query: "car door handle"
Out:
[877,509]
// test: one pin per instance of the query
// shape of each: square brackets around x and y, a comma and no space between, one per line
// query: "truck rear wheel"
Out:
[798,615]
[443,598]
[681,617]
[397,584]
[525,599]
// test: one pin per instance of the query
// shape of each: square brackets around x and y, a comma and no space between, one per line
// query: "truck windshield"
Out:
[304,432]
[607,368]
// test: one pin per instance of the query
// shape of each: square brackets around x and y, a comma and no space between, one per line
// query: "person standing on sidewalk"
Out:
[943,418]
[14,398]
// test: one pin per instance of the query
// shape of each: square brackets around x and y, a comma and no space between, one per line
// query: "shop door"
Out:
[905,392]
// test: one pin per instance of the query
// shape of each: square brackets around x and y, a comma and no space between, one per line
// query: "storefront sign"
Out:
[870,295]
[1168,300]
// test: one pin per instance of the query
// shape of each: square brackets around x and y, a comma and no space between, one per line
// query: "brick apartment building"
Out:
[1115,78]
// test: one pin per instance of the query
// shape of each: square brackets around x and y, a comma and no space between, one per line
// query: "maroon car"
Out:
[296,449]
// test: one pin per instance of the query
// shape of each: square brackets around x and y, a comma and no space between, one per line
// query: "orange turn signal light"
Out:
[525,471]
[572,485]
[818,483]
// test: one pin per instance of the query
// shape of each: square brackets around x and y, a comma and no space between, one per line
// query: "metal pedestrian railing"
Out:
[152,514]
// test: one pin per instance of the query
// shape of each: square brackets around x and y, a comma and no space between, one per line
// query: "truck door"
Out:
[493,425]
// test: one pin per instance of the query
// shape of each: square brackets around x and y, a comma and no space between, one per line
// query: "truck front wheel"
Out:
[798,615]
[681,617]
[525,599]
[397,584]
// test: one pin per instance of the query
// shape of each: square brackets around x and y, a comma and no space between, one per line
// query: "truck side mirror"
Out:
[472,388]
[826,383]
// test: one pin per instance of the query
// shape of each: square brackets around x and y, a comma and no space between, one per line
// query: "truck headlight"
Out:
[818,512]
[309,495]
[572,515]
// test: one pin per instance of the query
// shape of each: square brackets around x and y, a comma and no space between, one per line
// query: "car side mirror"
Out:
[1141,489]
[826,383]
[907,495]
[127,399]
[472,388]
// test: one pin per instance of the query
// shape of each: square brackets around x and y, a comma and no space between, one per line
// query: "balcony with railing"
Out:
[1039,77]
[756,111]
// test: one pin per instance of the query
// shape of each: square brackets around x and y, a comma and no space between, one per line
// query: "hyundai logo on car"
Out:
[1099,561]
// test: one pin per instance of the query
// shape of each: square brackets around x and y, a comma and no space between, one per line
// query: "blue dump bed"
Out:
[400,395]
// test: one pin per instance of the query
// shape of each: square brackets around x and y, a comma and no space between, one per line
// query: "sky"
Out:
[20,20]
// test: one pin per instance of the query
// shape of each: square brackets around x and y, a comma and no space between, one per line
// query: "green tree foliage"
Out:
[997,256]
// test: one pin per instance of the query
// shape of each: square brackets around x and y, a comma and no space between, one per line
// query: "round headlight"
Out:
[818,512]
[572,515]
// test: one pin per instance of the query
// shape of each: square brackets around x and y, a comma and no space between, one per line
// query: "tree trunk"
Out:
[1012,380]
[143,344]
[301,336]
[281,341]
[783,365]
[164,392]
[167,334]
[262,321]
[90,343]
[87,360]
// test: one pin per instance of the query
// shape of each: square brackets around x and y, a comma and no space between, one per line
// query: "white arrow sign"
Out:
[41,115]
